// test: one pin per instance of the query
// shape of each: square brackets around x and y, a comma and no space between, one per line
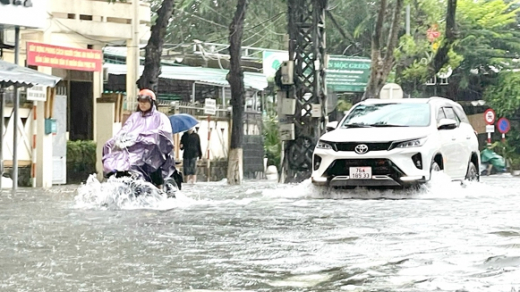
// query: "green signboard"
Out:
[344,74]
[347,74]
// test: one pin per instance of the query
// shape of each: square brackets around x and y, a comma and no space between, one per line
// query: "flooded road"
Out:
[263,236]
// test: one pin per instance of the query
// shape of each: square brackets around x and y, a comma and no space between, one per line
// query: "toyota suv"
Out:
[397,143]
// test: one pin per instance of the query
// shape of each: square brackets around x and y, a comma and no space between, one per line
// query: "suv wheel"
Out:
[435,167]
[472,173]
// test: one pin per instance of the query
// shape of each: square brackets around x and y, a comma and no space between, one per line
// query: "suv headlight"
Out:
[324,145]
[410,143]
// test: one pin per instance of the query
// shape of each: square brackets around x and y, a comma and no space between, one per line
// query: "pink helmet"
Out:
[146,93]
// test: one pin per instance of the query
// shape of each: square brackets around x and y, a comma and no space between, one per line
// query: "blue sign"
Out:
[503,125]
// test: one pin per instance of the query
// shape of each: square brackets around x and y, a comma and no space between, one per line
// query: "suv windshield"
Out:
[389,115]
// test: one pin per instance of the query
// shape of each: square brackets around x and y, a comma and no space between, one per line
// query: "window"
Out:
[389,115]
[440,115]
[450,114]
[461,114]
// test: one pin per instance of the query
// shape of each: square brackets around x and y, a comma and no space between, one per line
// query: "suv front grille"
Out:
[349,146]
[340,167]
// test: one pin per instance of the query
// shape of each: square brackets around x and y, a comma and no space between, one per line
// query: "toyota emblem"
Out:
[361,149]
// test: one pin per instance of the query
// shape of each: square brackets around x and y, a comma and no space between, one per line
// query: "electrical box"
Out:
[287,70]
[287,132]
[288,106]
[50,126]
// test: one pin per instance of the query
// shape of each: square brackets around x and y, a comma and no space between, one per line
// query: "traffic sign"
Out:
[489,116]
[503,125]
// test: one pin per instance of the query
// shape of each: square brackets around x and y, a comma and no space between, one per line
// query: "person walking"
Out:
[190,143]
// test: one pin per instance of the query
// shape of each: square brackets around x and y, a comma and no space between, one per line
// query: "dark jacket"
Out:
[190,143]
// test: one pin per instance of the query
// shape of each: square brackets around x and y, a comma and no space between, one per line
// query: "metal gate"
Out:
[59,140]
[253,147]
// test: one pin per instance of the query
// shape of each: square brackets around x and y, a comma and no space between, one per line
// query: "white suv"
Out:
[397,143]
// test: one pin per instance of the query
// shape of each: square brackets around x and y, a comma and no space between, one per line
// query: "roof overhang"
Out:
[12,74]
[211,76]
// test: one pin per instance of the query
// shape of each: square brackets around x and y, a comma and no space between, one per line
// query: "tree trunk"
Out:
[382,65]
[153,50]
[441,57]
[235,78]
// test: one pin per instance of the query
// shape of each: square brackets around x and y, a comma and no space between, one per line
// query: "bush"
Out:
[81,160]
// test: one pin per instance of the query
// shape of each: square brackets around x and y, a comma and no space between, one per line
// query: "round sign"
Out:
[391,91]
[489,116]
[504,126]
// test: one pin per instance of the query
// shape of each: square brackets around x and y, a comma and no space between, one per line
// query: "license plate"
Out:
[360,172]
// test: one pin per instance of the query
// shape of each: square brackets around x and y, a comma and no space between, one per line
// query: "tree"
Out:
[153,51]
[485,39]
[235,78]
[383,57]
[422,54]
[208,20]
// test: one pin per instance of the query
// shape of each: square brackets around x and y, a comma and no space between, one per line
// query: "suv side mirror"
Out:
[331,126]
[447,124]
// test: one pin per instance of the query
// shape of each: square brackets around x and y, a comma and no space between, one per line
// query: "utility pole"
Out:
[303,91]
[133,62]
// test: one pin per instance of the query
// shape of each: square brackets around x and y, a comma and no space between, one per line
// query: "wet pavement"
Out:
[264,236]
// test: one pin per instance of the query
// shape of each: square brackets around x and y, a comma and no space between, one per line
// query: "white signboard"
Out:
[37,93]
[210,106]
[490,128]
[391,91]
[24,13]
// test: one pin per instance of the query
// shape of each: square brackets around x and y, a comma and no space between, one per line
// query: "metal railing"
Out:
[194,109]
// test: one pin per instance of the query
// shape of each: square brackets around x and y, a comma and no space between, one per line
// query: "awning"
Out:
[12,74]
[201,75]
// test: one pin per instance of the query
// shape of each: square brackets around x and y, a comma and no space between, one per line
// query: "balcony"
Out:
[99,18]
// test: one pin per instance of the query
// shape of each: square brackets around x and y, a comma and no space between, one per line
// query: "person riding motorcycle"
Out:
[491,161]
[143,148]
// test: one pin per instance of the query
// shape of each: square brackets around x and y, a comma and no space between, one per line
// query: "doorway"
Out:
[81,111]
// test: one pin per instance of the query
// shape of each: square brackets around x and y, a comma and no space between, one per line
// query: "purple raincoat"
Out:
[144,144]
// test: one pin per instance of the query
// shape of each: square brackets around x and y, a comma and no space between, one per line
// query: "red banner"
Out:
[64,57]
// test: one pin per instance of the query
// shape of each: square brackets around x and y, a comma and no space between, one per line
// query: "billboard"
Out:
[343,73]
[347,74]
[64,57]
[23,13]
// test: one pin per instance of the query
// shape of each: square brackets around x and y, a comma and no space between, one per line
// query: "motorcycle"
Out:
[142,153]
[140,186]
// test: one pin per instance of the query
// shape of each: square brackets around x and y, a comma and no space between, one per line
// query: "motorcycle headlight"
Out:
[323,145]
[410,143]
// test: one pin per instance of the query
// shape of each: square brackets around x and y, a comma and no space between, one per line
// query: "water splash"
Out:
[124,193]
[440,186]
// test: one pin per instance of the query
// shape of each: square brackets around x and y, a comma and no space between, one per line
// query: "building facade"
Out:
[65,38]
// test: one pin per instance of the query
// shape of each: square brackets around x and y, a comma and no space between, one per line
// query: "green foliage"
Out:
[504,95]
[208,21]
[343,105]
[488,38]
[272,142]
[81,156]
[489,35]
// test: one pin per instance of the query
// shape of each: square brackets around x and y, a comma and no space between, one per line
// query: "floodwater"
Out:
[263,236]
